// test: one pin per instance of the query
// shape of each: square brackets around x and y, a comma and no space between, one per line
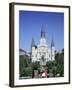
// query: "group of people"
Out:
[42,74]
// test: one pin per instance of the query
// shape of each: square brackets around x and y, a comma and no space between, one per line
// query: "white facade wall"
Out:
[53,53]
[38,52]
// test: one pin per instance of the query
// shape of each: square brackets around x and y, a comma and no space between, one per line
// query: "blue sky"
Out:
[30,23]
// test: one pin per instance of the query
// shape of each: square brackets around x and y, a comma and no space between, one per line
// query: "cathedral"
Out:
[42,51]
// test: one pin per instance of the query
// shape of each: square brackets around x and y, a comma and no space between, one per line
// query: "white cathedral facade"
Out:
[42,51]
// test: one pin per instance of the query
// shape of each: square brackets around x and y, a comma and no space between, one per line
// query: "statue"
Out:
[42,57]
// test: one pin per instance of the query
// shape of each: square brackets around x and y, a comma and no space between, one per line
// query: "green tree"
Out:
[35,65]
[52,67]
[59,57]
[28,71]
[24,62]
[57,66]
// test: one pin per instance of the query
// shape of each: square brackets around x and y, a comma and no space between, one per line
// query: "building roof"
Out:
[33,42]
[42,31]
[23,52]
[52,42]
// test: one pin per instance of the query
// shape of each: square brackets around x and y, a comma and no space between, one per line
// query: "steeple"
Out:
[33,42]
[52,43]
[42,31]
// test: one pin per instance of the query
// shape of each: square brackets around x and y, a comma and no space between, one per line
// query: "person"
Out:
[43,74]
[46,74]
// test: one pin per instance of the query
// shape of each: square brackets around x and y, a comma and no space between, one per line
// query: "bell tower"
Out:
[33,43]
[42,39]
[42,32]
[52,50]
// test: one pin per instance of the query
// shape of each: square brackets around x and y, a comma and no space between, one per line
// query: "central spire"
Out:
[42,31]
[42,39]
[52,42]
[33,43]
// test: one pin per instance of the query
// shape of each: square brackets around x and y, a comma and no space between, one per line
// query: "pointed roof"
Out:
[42,31]
[52,42]
[33,42]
